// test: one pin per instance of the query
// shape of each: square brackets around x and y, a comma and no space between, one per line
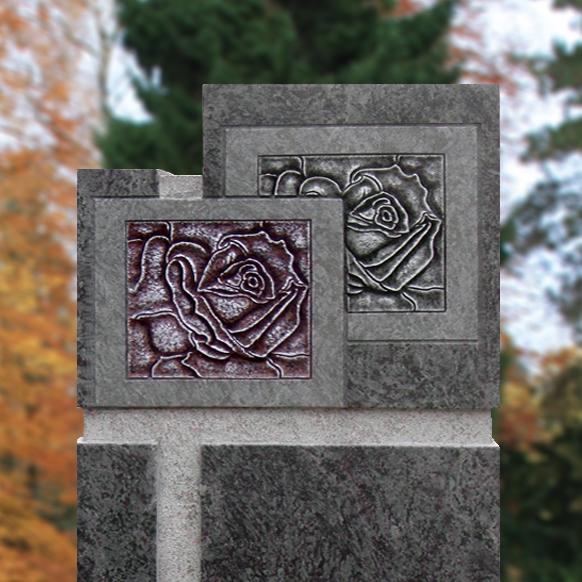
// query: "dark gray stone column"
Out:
[116,518]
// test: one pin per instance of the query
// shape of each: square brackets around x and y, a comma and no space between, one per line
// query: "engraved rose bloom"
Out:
[391,230]
[226,312]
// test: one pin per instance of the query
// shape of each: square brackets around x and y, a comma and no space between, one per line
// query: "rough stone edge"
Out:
[283,105]
[149,451]
[93,184]
[380,426]
[488,236]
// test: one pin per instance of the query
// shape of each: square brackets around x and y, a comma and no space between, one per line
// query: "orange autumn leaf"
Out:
[406,7]
[31,549]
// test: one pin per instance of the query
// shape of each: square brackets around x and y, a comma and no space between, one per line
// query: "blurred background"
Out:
[106,83]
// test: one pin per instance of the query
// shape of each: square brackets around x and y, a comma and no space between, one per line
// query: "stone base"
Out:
[297,495]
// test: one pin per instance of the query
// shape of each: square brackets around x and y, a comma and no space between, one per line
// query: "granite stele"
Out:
[287,366]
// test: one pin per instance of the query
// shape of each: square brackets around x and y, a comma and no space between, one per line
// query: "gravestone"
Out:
[287,369]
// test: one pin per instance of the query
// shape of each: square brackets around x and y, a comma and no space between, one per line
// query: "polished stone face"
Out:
[117,512]
[219,299]
[394,222]
[350,513]
[213,303]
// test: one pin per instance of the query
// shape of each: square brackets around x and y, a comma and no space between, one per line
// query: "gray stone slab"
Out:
[172,186]
[350,163]
[129,288]
[417,186]
[116,517]
[306,140]
[350,513]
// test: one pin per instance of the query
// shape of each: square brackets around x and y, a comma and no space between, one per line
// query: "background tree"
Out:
[542,470]
[549,220]
[180,44]
[44,137]
[54,60]
[541,435]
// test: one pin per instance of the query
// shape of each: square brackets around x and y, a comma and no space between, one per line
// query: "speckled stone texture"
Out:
[239,272]
[180,433]
[324,385]
[331,514]
[116,519]
[388,223]
[414,375]
[391,475]
[283,112]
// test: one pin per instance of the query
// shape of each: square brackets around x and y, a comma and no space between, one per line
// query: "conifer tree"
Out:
[181,44]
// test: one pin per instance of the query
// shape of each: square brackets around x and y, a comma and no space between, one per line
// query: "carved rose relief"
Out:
[219,299]
[393,222]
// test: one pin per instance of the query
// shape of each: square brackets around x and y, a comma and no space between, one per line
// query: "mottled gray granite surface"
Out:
[116,518]
[323,386]
[414,375]
[351,490]
[304,105]
[333,514]
[351,158]
[180,433]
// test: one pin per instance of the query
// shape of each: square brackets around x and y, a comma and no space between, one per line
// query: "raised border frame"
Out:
[102,287]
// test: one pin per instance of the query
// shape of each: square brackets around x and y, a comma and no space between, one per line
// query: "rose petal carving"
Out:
[408,189]
[219,312]
[320,186]
[288,183]
[249,278]
[381,212]
[234,367]
[393,265]
[392,228]
[207,331]
[266,329]
[274,256]
[151,292]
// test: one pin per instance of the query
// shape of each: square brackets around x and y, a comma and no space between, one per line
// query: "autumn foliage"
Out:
[44,137]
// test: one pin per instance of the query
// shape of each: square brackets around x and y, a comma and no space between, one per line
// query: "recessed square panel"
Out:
[410,216]
[218,303]
[219,299]
[394,222]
